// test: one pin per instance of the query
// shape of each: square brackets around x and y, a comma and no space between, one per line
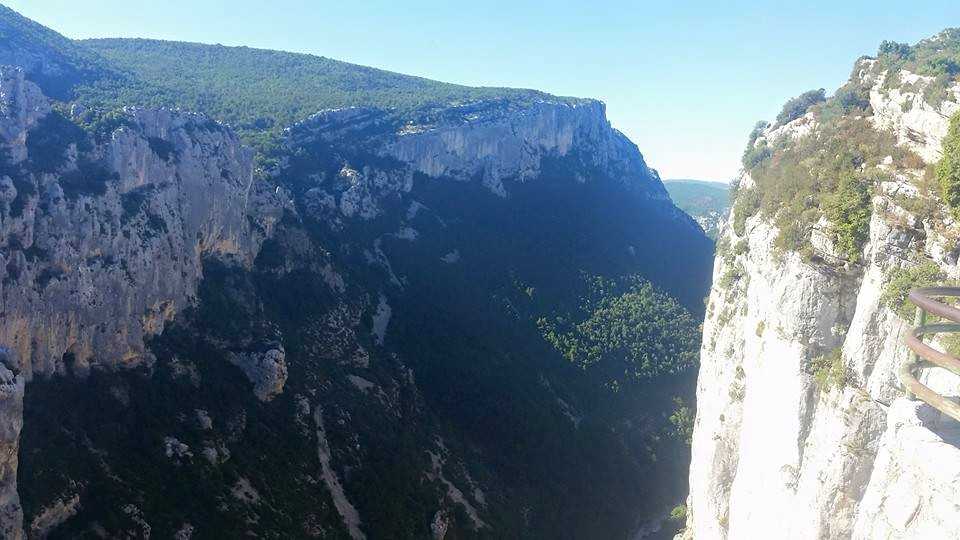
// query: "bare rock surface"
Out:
[104,243]
[785,447]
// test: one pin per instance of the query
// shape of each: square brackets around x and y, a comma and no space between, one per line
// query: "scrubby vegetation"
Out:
[755,154]
[937,57]
[830,172]
[902,280]
[848,209]
[746,205]
[948,170]
[830,371]
[833,170]
[683,419]
[798,106]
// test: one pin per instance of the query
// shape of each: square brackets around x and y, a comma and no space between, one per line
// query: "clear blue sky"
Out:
[684,80]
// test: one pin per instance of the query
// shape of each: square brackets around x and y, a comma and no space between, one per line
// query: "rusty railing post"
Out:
[923,354]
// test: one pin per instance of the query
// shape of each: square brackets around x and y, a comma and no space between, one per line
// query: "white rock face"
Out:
[779,454]
[902,110]
[490,141]
[511,145]
[772,449]
[913,489]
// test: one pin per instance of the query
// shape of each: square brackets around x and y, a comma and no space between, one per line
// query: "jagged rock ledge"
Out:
[103,242]
[493,141]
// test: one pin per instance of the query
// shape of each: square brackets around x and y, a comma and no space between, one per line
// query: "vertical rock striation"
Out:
[802,428]
[102,241]
[408,256]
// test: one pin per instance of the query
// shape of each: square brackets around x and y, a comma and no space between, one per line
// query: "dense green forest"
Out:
[258,92]
[628,331]
[259,89]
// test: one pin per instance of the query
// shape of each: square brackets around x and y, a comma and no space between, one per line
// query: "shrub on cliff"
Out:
[828,172]
[830,370]
[937,57]
[756,153]
[893,49]
[746,205]
[948,170]
[851,98]
[798,106]
[848,210]
[902,280]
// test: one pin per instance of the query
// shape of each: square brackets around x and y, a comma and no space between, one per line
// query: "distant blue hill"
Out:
[705,201]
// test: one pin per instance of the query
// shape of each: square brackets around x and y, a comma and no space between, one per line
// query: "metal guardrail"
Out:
[924,355]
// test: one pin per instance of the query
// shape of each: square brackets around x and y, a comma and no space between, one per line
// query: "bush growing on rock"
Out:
[902,280]
[682,420]
[756,153]
[829,171]
[830,371]
[848,209]
[894,49]
[747,204]
[798,106]
[948,170]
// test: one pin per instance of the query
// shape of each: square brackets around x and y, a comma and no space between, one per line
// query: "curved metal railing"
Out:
[924,355]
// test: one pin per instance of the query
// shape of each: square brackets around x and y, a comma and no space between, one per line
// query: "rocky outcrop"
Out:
[266,369]
[49,518]
[496,143]
[103,248]
[900,108]
[492,141]
[407,256]
[102,241]
[803,430]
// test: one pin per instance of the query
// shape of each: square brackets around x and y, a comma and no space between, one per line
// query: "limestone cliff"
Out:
[359,330]
[103,241]
[330,346]
[803,430]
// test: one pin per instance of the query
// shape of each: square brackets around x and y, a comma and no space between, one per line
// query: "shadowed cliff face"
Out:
[348,345]
[103,239]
